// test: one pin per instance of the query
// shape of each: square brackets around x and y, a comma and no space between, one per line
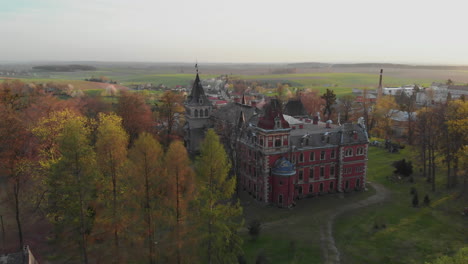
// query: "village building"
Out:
[281,158]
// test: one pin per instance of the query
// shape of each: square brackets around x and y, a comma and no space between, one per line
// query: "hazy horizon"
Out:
[209,31]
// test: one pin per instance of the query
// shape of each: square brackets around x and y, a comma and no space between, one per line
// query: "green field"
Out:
[410,235]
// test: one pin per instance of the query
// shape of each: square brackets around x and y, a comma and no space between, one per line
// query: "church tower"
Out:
[197,114]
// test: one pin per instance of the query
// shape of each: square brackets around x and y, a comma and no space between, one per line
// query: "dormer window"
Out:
[277,122]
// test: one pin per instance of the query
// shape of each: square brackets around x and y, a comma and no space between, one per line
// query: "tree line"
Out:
[109,190]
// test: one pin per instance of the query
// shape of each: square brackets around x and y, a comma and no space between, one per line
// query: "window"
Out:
[311,188]
[206,112]
[332,170]
[312,156]
[348,170]
[293,158]
[277,142]
[322,155]
[359,169]
[346,185]
[261,141]
[349,152]
[201,112]
[360,151]
[331,185]
[322,171]
[358,183]
[299,190]
[280,199]
[255,187]
[311,172]
[196,113]
[321,187]
[301,157]
[301,175]
[280,182]
[332,154]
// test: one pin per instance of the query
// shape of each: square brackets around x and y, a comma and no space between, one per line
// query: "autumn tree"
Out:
[284,92]
[408,105]
[15,162]
[72,182]
[219,215]
[330,99]
[170,109]
[111,149]
[181,181]
[146,169]
[312,101]
[385,110]
[345,105]
[135,113]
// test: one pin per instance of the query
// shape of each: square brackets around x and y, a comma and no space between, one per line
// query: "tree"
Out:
[170,109]
[385,110]
[330,99]
[135,113]
[284,92]
[449,82]
[181,180]
[403,168]
[408,105]
[146,166]
[111,149]
[346,103]
[219,215]
[255,226]
[312,101]
[72,185]
[460,257]
[415,200]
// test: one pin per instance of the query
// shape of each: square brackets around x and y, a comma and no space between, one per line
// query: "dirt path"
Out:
[330,252]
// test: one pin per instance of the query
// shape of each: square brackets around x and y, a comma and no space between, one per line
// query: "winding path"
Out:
[330,252]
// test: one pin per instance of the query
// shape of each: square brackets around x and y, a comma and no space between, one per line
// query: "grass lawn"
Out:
[292,235]
[410,235]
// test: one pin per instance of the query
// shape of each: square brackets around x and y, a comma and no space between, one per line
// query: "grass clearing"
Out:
[410,235]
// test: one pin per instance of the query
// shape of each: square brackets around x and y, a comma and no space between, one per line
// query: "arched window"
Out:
[196,113]
[349,152]
[360,151]
[321,187]
[206,112]
[358,183]
[311,188]
[301,157]
[299,191]
[280,199]
[331,186]
[201,112]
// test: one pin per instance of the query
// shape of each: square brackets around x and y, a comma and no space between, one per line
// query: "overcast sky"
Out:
[402,31]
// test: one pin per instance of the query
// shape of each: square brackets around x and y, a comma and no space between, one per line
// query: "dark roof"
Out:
[197,95]
[271,112]
[231,113]
[295,108]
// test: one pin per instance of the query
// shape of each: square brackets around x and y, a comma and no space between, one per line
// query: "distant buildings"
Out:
[22,257]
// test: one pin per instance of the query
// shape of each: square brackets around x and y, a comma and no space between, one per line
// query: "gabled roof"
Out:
[197,96]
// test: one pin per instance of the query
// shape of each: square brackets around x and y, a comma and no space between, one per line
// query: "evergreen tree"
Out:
[330,98]
[220,217]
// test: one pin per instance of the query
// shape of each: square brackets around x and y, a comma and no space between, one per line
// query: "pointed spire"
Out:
[241,122]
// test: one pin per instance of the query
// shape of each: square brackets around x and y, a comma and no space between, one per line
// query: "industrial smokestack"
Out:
[379,91]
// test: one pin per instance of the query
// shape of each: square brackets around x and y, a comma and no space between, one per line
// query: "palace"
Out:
[280,158]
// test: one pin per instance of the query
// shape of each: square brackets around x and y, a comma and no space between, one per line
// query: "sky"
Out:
[264,31]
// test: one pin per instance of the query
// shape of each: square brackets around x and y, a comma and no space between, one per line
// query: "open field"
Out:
[410,235]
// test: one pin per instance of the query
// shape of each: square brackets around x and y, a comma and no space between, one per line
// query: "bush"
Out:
[427,201]
[403,168]
[415,200]
[254,228]
[413,190]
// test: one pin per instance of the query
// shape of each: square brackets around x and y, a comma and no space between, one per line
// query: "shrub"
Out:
[427,201]
[403,168]
[254,228]
[413,190]
[415,200]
